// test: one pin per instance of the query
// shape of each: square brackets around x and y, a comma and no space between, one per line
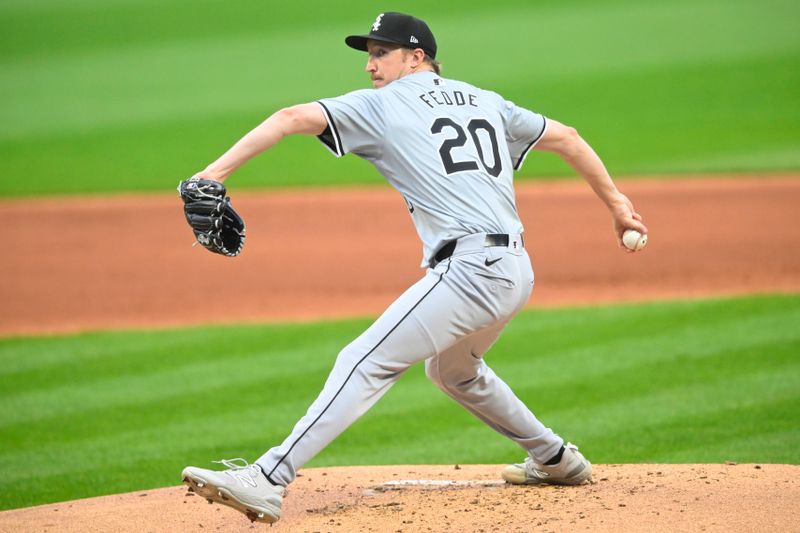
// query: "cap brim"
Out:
[359,42]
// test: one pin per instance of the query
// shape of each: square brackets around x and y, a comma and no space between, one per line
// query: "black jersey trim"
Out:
[530,146]
[441,276]
[330,137]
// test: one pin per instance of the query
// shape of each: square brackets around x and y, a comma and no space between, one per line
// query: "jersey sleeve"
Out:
[355,124]
[524,129]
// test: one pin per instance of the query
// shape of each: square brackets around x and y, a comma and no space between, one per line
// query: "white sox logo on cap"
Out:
[377,23]
[397,28]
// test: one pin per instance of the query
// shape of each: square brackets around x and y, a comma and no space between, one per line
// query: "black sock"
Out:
[556,458]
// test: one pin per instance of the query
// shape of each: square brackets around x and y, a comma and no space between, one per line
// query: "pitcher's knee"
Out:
[347,356]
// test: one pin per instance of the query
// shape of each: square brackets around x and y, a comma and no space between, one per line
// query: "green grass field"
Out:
[136,95]
[98,413]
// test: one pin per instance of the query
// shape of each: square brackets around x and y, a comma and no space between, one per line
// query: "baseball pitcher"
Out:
[450,149]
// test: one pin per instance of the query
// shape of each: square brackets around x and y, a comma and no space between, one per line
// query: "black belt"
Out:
[492,239]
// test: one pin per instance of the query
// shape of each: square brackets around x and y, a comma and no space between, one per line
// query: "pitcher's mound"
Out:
[469,498]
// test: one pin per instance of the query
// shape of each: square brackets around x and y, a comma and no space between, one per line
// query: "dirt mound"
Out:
[117,262]
[465,499]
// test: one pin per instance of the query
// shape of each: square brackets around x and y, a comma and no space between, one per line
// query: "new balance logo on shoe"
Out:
[246,479]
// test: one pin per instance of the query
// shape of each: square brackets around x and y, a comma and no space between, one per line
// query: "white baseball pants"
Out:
[449,319]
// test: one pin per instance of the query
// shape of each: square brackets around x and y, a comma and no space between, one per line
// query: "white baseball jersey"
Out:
[449,147]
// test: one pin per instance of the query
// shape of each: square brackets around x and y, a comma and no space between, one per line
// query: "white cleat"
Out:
[242,487]
[573,469]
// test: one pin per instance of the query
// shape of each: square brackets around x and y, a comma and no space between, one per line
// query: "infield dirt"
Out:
[465,499]
[119,262]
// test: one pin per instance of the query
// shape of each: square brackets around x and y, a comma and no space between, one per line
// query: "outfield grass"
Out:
[121,96]
[100,413]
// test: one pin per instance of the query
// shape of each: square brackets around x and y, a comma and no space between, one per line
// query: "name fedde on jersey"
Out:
[442,97]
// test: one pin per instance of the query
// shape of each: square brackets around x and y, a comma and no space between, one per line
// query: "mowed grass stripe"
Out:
[747,447]
[634,427]
[106,389]
[663,143]
[627,383]
[694,125]
[101,79]
[685,86]
[679,403]
[140,350]
[107,386]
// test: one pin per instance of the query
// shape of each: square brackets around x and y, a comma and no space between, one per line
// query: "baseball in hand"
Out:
[633,240]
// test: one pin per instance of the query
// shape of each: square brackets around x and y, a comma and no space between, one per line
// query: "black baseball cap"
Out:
[397,28]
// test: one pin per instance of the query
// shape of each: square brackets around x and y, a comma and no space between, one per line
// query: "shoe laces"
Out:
[534,468]
[241,465]
[232,463]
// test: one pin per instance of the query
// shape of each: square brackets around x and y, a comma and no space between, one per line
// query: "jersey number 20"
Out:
[460,140]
